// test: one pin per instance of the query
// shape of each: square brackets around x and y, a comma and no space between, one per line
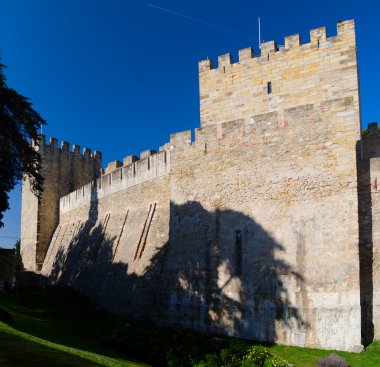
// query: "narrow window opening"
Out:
[269,87]
[268,57]
[318,43]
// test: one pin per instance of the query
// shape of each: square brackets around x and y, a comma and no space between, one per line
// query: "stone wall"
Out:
[63,171]
[293,220]
[324,69]
[369,224]
[232,239]
[252,229]
[104,247]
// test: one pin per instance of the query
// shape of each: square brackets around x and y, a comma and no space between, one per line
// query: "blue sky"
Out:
[120,76]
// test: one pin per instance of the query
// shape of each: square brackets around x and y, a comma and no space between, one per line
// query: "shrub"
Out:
[232,355]
[275,362]
[210,360]
[164,346]
[256,356]
[159,346]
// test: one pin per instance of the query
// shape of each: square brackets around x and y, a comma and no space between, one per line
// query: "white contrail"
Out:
[194,19]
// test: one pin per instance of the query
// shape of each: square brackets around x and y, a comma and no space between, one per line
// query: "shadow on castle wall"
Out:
[365,241]
[220,272]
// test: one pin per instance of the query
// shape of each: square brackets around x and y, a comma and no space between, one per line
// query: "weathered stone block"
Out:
[147,153]
[129,159]
[332,360]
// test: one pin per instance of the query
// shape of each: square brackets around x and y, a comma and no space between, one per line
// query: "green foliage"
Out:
[256,356]
[182,348]
[240,355]
[20,350]
[68,320]
[19,124]
[210,360]
[365,131]
[163,346]
[275,362]
[158,346]
[17,262]
[232,355]
[56,327]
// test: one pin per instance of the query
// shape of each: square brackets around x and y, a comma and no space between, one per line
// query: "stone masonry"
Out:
[63,171]
[264,227]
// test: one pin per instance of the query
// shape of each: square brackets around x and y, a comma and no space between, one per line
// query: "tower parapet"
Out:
[280,77]
[63,171]
[265,201]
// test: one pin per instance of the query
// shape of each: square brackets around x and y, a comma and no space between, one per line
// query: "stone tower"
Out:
[255,229]
[63,171]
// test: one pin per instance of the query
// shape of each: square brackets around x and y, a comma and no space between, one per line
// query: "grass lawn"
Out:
[20,349]
[304,357]
[55,327]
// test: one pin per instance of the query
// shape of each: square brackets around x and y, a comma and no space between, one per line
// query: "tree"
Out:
[19,124]
[17,262]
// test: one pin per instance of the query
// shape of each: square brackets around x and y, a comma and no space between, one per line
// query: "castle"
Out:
[264,227]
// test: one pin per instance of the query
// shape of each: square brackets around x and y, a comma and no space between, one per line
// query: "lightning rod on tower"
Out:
[259,33]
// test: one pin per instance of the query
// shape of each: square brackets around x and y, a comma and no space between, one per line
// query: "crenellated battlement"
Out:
[317,38]
[371,141]
[43,147]
[132,171]
[280,77]
[118,177]
[182,138]
[373,129]
[64,169]
[263,205]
